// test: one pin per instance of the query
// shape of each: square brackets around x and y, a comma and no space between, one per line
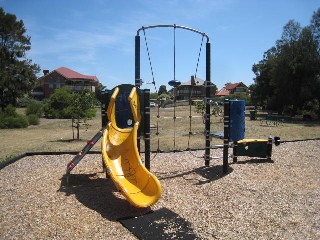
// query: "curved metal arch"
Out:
[174,26]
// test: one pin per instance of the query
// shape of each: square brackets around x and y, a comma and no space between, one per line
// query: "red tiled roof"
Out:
[232,86]
[223,92]
[227,89]
[70,74]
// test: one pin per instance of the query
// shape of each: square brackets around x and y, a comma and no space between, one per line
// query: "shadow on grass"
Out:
[100,195]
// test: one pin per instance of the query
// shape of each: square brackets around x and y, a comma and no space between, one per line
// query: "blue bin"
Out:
[237,120]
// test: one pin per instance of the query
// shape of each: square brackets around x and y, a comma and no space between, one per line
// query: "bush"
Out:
[33,119]
[23,102]
[58,104]
[10,110]
[18,121]
[34,108]
[241,96]
[310,110]
[10,119]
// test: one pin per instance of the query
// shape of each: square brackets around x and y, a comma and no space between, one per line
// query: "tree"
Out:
[58,105]
[154,96]
[98,92]
[82,108]
[315,27]
[17,74]
[287,79]
[290,33]
[162,89]
[79,107]
[262,91]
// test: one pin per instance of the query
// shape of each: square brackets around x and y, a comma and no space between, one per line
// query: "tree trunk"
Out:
[72,126]
[78,129]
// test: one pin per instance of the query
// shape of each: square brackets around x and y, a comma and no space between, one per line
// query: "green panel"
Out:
[253,149]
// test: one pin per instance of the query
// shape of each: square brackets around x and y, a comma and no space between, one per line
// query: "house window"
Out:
[240,90]
[51,83]
[58,84]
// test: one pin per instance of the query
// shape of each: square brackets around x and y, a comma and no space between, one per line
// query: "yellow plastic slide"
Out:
[120,155]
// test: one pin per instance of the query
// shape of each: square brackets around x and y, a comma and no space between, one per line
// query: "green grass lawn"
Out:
[56,135]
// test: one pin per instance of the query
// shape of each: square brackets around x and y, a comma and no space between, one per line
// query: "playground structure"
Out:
[125,115]
[121,157]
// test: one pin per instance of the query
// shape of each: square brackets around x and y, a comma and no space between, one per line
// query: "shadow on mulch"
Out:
[69,140]
[160,224]
[211,173]
[254,161]
[99,194]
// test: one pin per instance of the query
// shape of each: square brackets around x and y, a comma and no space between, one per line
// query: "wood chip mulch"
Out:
[257,199]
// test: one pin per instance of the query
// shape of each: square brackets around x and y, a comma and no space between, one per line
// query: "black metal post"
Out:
[104,116]
[104,107]
[137,61]
[146,93]
[137,72]
[226,121]
[269,148]
[207,103]
[235,151]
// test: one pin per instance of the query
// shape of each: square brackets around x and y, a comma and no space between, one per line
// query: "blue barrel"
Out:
[237,120]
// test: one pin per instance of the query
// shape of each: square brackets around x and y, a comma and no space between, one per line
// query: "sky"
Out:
[97,37]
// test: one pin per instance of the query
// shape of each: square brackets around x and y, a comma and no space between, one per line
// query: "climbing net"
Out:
[176,127]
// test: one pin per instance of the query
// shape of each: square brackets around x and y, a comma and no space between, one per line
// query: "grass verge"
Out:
[166,134]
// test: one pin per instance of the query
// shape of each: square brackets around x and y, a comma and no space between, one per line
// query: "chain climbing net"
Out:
[174,127]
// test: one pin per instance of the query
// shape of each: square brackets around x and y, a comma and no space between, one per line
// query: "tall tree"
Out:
[17,73]
[315,27]
[262,91]
[290,33]
[288,76]
[162,89]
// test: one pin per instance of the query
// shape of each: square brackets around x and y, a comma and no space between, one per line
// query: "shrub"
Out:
[33,119]
[18,121]
[10,119]
[310,110]
[23,102]
[10,110]
[34,108]
[57,105]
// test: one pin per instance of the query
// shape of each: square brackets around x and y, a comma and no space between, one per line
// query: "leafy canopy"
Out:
[17,73]
[288,77]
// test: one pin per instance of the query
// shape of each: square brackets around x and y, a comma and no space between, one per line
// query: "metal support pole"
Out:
[235,151]
[269,148]
[104,107]
[207,104]
[104,117]
[146,93]
[226,121]
[138,81]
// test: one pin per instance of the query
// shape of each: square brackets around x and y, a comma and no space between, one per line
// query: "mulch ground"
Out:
[257,199]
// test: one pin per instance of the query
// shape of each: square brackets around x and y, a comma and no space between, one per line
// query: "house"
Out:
[232,88]
[63,77]
[194,89]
